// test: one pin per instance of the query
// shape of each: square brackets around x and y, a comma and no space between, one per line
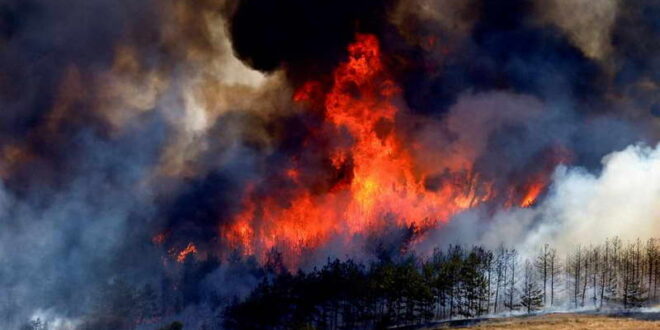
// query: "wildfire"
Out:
[384,184]
[190,249]
[532,194]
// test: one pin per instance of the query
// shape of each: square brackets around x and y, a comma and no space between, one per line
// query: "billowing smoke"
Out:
[581,208]
[174,147]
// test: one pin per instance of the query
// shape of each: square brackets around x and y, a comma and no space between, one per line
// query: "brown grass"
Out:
[566,321]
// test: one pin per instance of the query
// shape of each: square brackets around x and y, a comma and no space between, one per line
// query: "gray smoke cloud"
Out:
[57,247]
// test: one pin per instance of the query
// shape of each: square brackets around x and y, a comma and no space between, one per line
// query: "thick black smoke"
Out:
[305,37]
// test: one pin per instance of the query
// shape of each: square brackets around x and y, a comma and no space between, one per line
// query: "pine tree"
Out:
[613,266]
[542,264]
[531,296]
[634,294]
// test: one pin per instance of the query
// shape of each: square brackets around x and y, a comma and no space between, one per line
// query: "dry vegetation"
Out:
[567,321]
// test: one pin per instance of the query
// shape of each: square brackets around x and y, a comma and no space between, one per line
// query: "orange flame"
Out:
[190,249]
[533,192]
[384,183]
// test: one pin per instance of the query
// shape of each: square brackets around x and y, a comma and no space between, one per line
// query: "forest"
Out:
[396,288]
[455,282]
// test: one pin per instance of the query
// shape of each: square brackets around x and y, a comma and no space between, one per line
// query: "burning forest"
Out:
[253,164]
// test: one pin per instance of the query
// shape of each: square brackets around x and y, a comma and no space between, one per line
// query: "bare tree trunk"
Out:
[604,270]
[650,255]
[586,276]
[655,280]
[594,275]
[501,274]
[513,279]
[545,274]
[577,264]
[489,267]
[637,261]
[553,272]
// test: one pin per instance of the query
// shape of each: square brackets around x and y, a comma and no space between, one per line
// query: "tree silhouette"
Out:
[531,296]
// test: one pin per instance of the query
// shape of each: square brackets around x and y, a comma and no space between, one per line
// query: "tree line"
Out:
[455,282]
[395,289]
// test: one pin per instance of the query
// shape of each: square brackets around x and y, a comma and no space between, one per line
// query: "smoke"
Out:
[587,24]
[105,106]
[58,246]
[622,200]
[581,208]
[130,130]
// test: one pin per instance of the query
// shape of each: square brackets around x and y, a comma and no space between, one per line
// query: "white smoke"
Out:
[52,321]
[584,208]
[581,208]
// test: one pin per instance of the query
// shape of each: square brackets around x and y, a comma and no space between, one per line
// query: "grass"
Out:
[566,321]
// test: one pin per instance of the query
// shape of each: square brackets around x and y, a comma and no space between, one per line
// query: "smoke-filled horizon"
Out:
[137,135]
